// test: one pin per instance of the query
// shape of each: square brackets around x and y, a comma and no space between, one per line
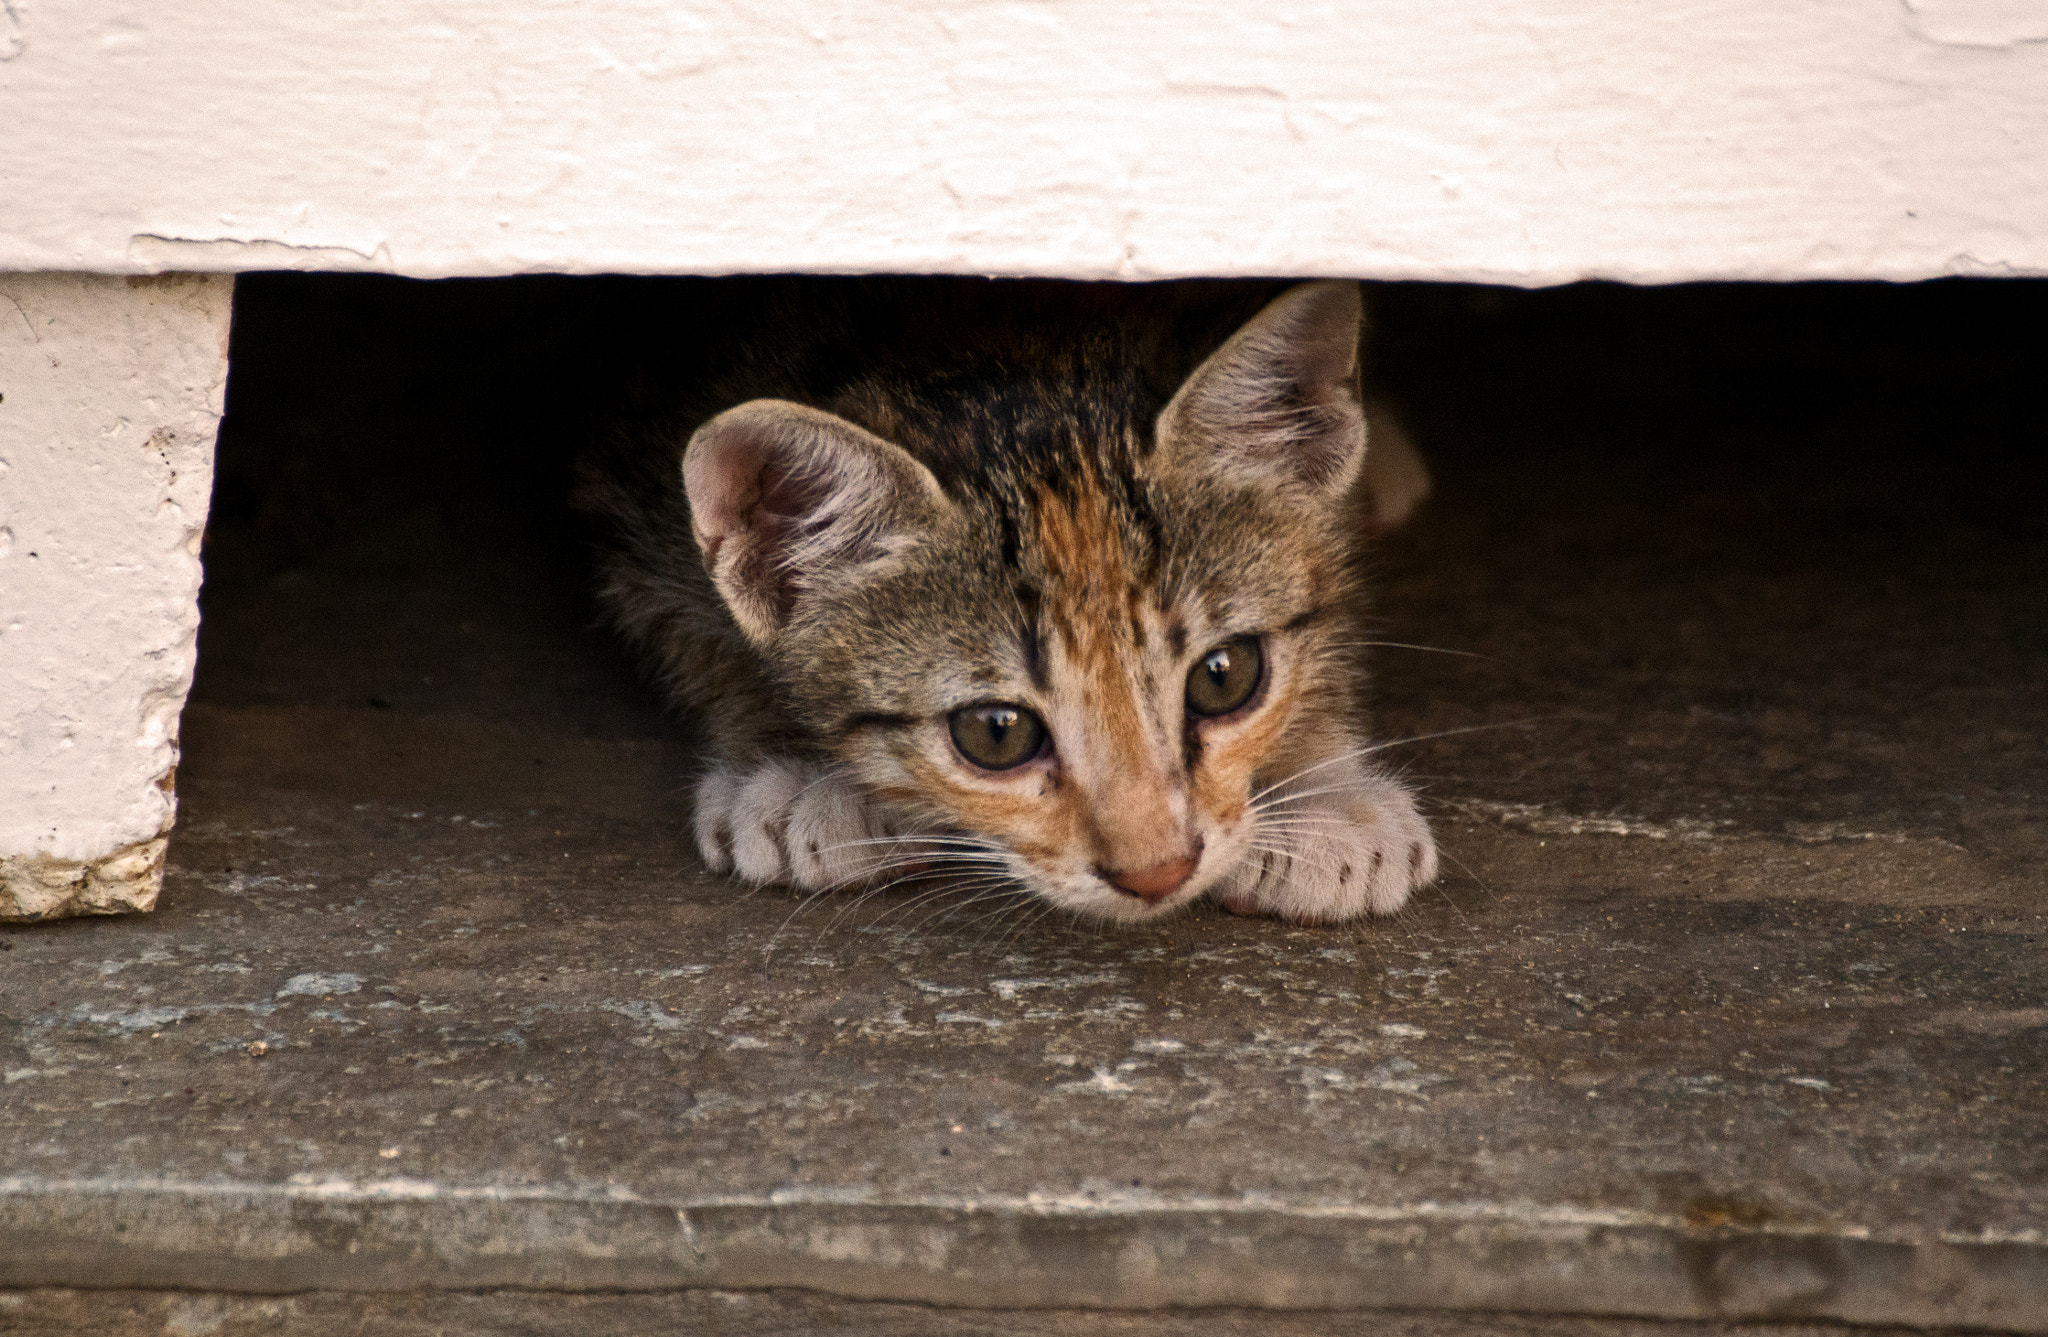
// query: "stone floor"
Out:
[1733,1006]
[768,1313]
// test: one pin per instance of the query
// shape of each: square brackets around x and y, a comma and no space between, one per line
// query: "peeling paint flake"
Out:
[967,1018]
[129,1021]
[158,253]
[650,1014]
[1544,821]
[1008,990]
[1103,1082]
[317,984]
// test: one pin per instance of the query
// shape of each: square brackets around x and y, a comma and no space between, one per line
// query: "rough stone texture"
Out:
[1529,143]
[61,1313]
[110,391]
[440,1000]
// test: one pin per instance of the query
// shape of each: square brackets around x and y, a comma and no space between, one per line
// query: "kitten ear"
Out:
[784,499]
[1278,403]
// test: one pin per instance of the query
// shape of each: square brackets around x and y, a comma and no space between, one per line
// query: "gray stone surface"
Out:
[1734,1006]
[54,1312]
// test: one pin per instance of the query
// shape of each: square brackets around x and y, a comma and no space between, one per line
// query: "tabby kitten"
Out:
[1031,580]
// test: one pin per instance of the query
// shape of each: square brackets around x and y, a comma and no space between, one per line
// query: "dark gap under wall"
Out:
[1764,557]
[352,395]
[439,996]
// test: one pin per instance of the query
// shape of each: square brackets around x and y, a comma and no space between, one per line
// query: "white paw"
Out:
[789,821]
[1347,847]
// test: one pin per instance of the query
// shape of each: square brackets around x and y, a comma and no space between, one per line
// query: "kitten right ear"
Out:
[1278,403]
[785,499]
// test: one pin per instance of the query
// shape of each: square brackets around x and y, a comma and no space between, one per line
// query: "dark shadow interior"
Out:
[1718,557]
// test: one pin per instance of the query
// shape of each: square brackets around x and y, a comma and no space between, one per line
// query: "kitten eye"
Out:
[1226,677]
[997,736]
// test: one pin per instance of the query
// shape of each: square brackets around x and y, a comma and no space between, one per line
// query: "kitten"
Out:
[1031,580]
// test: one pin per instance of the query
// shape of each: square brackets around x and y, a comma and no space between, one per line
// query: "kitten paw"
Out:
[1360,850]
[789,821]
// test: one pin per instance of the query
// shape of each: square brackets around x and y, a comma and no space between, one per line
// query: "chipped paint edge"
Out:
[36,886]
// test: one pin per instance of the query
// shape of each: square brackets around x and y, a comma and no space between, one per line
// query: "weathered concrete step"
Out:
[1135,1254]
[56,1312]
[1734,1000]
[511,1046]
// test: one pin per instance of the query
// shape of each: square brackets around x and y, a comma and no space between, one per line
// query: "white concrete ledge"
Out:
[110,392]
[1530,143]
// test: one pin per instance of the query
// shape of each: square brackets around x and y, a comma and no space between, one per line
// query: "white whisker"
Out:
[1403,645]
[1371,748]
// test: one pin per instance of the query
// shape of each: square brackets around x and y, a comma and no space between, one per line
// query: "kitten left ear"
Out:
[785,499]
[1278,403]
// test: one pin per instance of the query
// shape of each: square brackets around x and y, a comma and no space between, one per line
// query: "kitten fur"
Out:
[868,504]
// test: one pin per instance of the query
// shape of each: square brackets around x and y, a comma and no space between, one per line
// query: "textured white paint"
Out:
[110,391]
[1526,142]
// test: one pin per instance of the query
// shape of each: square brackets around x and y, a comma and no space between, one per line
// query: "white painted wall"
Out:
[110,391]
[1526,142]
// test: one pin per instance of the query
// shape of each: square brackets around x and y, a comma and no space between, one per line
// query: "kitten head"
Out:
[1083,630]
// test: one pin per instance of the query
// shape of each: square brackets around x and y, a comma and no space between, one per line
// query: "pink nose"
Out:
[1151,884]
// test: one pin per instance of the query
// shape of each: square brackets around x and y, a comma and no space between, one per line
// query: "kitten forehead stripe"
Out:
[1031,638]
[1309,618]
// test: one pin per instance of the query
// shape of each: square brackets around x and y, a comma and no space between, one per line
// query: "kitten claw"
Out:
[711,818]
[761,821]
[788,821]
[1367,853]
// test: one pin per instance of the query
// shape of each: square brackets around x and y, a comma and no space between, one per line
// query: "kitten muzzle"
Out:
[1155,883]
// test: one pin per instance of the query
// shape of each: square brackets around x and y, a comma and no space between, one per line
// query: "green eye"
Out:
[1225,678]
[996,735]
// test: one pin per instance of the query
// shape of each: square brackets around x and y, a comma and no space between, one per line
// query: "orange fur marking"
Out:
[1090,586]
[1036,830]
[1226,770]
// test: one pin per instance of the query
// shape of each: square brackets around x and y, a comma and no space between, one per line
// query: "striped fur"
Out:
[898,498]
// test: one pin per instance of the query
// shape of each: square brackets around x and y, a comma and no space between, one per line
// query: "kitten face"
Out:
[1091,645]
[1093,625]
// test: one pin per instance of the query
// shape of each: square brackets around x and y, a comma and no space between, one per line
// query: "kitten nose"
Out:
[1151,884]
